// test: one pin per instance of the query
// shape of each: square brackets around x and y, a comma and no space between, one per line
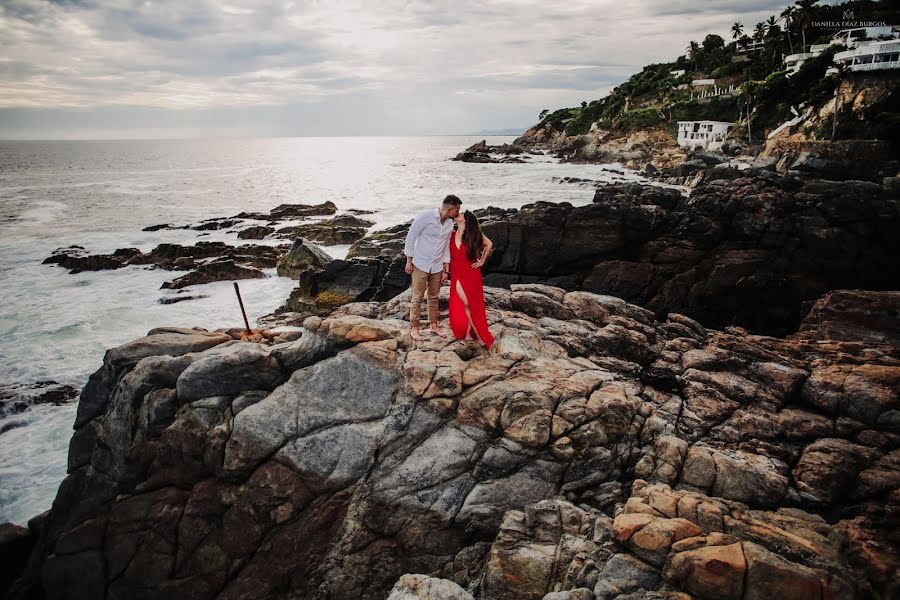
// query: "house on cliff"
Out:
[873,56]
[868,49]
[708,135]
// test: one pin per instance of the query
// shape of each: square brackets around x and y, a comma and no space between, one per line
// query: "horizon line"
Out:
[250,137]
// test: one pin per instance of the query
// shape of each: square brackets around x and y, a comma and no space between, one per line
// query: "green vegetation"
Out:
[772,99]
[651,98]
[642,118]
[880,121]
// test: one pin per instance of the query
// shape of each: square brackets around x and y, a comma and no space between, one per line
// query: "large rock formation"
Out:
[636,149]
[751,251]
[595,452]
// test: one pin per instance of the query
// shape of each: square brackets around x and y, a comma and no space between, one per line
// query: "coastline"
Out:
[69,309]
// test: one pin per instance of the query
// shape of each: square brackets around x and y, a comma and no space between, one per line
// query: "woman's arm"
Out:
[485,251]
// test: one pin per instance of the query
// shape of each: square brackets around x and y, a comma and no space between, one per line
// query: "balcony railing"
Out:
[875,66]
[868,50]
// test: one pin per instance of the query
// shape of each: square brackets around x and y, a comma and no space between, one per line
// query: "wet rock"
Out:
[257,232]
[342,229]
[215,224]
[76,260]
[284,211]
[15,398]
[181,298]
[217,270]
[302,257]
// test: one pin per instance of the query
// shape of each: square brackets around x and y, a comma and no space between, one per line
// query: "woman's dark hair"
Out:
[472,237]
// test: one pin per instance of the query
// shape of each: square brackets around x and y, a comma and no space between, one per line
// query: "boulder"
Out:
[303,256]
[854,316]
[594,451]
[422,587]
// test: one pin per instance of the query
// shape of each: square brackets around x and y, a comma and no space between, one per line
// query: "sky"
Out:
[93,69]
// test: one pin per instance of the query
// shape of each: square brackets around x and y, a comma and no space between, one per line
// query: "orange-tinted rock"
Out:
[713,572]
[625,525]
[770,576]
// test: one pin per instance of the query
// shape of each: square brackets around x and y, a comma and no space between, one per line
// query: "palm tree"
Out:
[805,13]
[693,49]
[759,32]
[771,24]
[788,15]
[737,30]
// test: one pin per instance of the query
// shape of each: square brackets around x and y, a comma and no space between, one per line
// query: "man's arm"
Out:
[415,230]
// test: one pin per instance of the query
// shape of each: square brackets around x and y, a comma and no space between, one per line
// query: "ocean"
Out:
[101,194]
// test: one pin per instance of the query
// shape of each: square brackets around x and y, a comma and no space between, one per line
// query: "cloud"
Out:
[425,67]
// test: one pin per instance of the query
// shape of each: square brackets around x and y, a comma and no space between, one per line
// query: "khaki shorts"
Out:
[422,281]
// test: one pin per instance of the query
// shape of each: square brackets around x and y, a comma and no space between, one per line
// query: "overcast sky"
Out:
[195,68]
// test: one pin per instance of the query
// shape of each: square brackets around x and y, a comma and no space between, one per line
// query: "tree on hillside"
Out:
[804,17]
[543,114]
[759,32]
[737,30]
[772,28]
[788,16]
[693,49]
[750,93]
[839,70]
[713,42]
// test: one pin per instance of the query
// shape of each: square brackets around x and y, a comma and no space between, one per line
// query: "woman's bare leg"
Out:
[471,326]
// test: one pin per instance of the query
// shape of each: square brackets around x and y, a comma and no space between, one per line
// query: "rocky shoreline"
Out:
[747,249]
[596,452]
[207,262]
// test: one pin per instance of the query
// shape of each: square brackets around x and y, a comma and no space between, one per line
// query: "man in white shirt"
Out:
[428,260]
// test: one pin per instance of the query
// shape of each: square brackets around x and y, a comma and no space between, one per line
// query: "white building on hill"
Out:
[852,37]
[871,56]
[868,49]
[794,62]
[703,134]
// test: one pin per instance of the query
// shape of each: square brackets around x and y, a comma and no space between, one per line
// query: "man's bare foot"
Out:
[435,329]
[415,334]
[469,337]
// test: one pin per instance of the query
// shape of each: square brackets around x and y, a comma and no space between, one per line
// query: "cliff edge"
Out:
[595,452]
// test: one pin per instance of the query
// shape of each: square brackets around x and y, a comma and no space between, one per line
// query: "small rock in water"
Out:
[157,227]
[18,397]
[174,299]
[257,232]
[218,270]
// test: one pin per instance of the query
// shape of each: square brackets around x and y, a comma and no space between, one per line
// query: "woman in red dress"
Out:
[469,249]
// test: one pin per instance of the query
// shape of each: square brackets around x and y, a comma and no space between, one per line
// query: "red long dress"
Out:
[470,279]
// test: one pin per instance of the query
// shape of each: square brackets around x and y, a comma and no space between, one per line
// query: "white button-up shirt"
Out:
[428,241]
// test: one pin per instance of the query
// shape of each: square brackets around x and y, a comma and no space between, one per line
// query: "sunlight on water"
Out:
[100,195]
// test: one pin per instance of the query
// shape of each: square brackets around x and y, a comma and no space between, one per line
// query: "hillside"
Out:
[636,123]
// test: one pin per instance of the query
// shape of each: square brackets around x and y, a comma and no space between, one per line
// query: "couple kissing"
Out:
[444,244]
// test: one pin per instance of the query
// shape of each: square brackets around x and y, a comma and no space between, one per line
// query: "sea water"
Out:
[101,194]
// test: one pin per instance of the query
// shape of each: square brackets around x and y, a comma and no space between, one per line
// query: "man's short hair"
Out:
[452,200]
